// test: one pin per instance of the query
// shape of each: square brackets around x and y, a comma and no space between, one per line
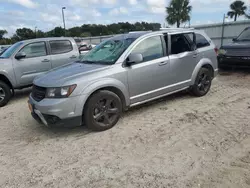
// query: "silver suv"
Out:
[122,72]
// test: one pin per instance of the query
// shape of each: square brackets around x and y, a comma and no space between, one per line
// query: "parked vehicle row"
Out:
[122,72]
[25,60]
[236,54]
[83,46]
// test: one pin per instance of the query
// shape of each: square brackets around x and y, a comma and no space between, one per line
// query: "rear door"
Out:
[183,58]
[62,52]
[36,62]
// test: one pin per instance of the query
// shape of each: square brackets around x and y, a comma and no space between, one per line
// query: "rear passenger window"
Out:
[201,41]
[150,48]
[60,46]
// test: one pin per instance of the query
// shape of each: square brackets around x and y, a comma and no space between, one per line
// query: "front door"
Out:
[36,62]
[149,78]
[183,59]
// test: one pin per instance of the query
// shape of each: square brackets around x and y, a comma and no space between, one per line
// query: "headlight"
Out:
[222,52]
[60,92]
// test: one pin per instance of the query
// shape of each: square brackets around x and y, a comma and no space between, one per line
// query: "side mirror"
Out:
[234,39]
[134,58]
[20,55]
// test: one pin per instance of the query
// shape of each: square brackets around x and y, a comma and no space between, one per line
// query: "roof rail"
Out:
[140,31]
[177,29]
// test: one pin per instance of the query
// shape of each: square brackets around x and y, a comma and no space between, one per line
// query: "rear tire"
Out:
[102,110]
[203,83]
[5,93]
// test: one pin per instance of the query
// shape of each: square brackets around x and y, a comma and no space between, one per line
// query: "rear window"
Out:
[60,46]
[201,41]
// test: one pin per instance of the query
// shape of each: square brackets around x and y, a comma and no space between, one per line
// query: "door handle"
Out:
[73,56]
[163,63]
[45,60]
[195,55]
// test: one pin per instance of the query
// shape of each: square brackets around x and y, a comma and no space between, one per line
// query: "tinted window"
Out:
[60,46]
[34,49]
[179,44]
[201,41]
[150,48]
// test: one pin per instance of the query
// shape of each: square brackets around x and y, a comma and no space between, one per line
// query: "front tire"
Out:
[5,94]
[102,110]
[202,83]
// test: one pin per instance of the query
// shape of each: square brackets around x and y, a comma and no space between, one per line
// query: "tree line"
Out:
[85,30]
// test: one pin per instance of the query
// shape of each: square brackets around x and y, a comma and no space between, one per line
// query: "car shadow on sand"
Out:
[234,70]
[21,94]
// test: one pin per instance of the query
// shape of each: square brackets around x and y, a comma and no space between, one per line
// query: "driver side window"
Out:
[150,48]
[36,49]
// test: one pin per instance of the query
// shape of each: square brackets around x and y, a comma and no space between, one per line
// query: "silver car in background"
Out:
[122,72]
[25,60]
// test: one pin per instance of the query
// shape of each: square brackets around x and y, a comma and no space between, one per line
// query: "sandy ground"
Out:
[178,141]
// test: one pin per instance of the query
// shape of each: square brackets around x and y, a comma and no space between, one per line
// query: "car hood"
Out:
[5,62]
[59,76]
[237,45]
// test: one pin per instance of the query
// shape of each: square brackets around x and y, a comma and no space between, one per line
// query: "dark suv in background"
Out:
[237,53]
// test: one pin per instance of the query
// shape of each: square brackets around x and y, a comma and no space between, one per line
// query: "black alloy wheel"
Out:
[102,110]
[202,83]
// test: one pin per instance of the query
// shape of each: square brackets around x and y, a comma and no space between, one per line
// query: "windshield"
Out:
[245,35]
[109,51]
[11,50]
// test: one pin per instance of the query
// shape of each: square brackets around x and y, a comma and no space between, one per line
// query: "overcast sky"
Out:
[46,14]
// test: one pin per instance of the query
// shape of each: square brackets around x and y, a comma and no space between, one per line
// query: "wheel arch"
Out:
[204,63]
[112,85]
[6,80]
[115,90]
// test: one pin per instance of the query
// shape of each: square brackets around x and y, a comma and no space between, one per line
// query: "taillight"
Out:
[216,50]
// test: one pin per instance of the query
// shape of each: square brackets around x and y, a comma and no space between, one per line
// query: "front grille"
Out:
[38,93]
[238,52]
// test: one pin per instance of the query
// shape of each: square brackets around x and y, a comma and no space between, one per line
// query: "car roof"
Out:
[133,35]
[47,39]
[174,30]
[137,34]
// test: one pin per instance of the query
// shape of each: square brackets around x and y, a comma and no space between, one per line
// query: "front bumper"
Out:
[56,112]
[231,61]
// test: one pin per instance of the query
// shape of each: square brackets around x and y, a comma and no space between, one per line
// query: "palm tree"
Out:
[238,8]
[178,12]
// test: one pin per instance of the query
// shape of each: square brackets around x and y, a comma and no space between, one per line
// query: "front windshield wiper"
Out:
[97,62]
[243,40]
[88,62]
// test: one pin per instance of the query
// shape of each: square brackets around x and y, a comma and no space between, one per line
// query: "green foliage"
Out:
[238,8]
[85,30]
[2,33]
[85,34]
[40,34]
[25,33]
[57,32]
[178,12]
